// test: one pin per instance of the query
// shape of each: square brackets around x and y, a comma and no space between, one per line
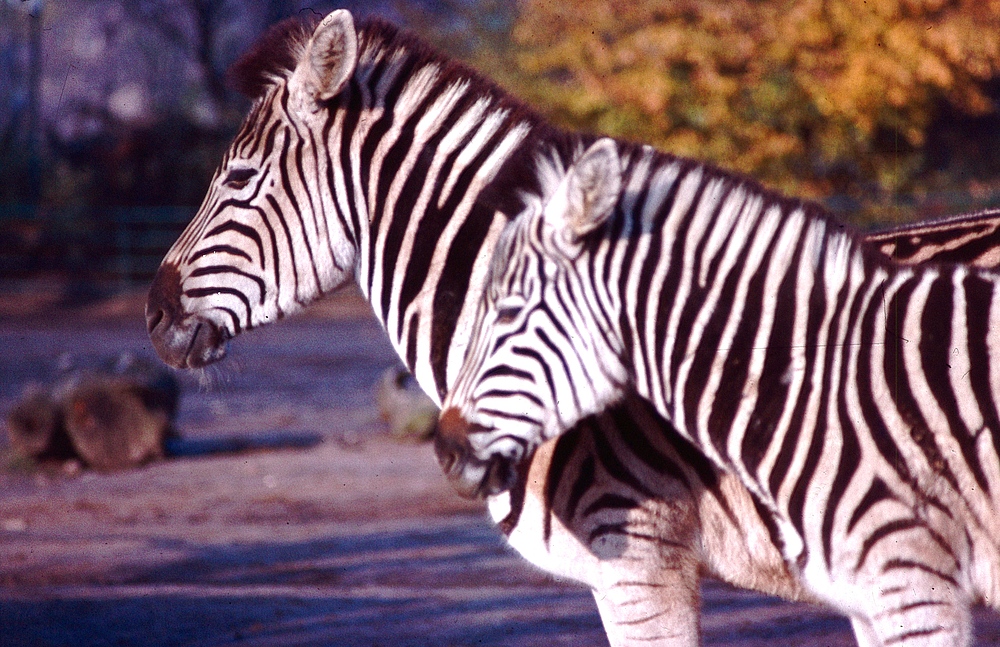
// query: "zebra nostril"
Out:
[164,299]
[153,320]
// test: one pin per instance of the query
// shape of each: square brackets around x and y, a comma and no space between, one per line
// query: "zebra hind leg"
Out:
[917,596]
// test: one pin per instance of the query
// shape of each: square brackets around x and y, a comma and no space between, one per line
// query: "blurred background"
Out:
[284,499]
[113,115]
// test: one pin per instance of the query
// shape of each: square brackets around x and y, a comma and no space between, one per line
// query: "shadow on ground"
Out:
[439,582]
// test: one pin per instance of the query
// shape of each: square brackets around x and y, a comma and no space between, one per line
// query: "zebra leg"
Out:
[642,598]
[639,521]
[909,579]
[645,608]
[636,552]
[911,618]
[914,624]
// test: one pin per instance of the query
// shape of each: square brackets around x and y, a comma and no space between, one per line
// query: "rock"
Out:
[35,427]
[114,417]
[411,414]
[110,425]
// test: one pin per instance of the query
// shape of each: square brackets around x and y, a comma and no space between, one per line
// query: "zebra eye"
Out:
[239,177]
[509,309]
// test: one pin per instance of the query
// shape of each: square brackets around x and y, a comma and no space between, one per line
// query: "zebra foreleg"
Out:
[649,573]
[912,618]
[660,608]
[637,554]
[645,594]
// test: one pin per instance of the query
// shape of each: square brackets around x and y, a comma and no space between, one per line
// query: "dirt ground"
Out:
[287,516]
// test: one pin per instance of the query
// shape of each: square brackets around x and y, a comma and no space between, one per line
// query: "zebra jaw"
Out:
[181,341]
[468,475]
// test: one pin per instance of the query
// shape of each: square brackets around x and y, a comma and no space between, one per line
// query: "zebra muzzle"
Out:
[181,340]
[470,476]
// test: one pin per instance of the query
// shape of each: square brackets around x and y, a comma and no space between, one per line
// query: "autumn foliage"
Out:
[815,96]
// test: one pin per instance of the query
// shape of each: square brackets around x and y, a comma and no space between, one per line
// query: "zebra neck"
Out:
[428,139]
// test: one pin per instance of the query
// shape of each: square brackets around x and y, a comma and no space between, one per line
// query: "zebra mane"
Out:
[380,40]
[549,165]
[377,35]
[552,165]
[272,58]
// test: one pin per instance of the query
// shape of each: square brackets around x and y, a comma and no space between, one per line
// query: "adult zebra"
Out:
[866,420]
[389,180]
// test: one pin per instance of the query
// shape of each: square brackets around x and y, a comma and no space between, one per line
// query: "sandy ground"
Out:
[328,533]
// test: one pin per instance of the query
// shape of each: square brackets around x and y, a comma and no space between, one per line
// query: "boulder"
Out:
[113,417]
[410,413]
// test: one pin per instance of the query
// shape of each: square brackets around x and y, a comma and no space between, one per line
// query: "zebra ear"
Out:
[593,186]
[328,62]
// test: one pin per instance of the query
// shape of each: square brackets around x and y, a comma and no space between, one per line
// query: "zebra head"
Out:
[543,354]
[262,244]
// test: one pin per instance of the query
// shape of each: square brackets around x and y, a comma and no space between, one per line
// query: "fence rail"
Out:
[119,245]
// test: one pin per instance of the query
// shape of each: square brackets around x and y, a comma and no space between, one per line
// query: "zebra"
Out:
[316,190]
[368,155]
[965,239]
[856,398]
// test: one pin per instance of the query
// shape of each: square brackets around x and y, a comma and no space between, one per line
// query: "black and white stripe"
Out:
[969,239]
[389,181]
[857,399]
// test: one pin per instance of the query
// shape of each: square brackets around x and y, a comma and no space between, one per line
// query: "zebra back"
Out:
[971,239]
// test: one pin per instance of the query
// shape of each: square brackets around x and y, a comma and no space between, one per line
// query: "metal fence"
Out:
[112,245]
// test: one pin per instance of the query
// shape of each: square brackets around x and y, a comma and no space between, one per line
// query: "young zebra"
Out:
[856,399]
[388,179]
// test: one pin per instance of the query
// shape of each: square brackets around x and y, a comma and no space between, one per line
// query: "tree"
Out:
[815,96]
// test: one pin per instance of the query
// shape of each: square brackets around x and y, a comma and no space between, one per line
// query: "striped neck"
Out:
[731,270]
[421,139]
